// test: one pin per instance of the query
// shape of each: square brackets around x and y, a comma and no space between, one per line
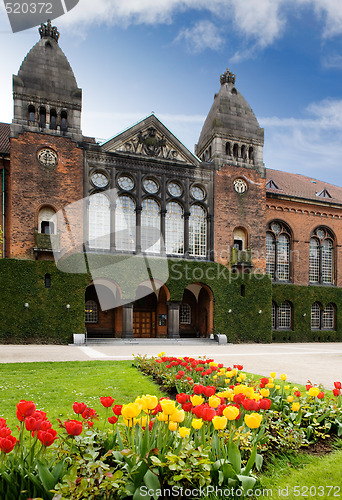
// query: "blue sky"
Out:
[166,56]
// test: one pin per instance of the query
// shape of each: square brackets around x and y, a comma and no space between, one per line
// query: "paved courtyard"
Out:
[318,362]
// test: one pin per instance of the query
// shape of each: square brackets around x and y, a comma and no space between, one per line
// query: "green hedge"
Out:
[302,298]
[48,320]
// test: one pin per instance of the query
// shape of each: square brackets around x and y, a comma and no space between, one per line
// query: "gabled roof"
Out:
[5,130]
[150,138]
[300,186]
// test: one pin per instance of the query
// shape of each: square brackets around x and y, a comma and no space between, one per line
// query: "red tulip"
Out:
[32,423]
[47,437]
[117,409]
[182,398]
[73,427]
[263,381]
[209,391]
[5,432]
[208,414]
[112,420]
[107,402]
[2,422]
[297,394]
[79,407]
[337,385]
[25,409]
[198,411]
[89,413]
[198,389]
[250,405]
[238,398]
[7,444]
[187,406]
[265,404]
[336,392]
[320,395]
[308,387]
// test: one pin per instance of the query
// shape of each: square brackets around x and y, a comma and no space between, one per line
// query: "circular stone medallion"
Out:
[240,186]
[47,157]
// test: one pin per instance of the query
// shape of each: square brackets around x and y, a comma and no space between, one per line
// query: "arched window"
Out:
[185,314]
[45,224]
[174,230]
[321,257]
[31,113]
[240,238]
[323,319]
[64,120]
[236,151]
[251,154]
[125,224]
[198,231]
[99,222]
[150,226]
[53,119]
[243,152]
[282,316]
[91,312]
[228,149]
[42,117]
[278,247]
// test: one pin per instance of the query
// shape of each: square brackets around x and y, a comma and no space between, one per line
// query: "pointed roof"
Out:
[150,138]
[300,186]
[5,129]
[230,115]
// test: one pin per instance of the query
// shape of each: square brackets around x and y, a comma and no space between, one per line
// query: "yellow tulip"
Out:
[286,387]
[283,377]
[141,421]
[168,406]
[265,393]
[271,380]
[219,423]
[131,410]
[243,376]
[270,385]
[253,420]
[184,432]
[277,387]
[212,363]
[214,402]
[173,426]
[289,399]
[149,402]
[214,377]
[162,417]
[161,354]
[313,391]
[196,400]
[295,389]
[239,379]
[273,374]
[295,406]
[197,423]
[231,412]
[129,422]
[177,416]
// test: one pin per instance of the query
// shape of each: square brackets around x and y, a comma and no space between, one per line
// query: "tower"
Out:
[46,172]
[232,139]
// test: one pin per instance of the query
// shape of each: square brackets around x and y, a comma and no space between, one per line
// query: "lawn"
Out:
[55,386]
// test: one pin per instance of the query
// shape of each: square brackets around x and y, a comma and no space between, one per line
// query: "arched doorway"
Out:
[150,311]
[196,311]
[103,314]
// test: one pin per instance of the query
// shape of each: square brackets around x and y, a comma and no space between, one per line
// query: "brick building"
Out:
[249,252]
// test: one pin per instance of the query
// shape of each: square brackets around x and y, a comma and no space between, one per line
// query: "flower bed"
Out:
[214,434]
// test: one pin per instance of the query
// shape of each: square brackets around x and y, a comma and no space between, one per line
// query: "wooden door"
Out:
[143,324]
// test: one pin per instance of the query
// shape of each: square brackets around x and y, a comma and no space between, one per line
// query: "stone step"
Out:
[150,341]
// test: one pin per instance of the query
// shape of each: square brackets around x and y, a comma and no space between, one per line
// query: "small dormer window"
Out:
[64,120]
[31,113]
[324,194]
[53,119]
[271,184]
[42,117]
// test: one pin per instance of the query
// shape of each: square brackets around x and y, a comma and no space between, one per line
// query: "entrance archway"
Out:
[196,313]
[103,317]
[150,311]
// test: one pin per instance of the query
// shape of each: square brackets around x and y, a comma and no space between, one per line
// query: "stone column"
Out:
[127,321]
[162,229]
[173,320]
[138,211]
[186,234]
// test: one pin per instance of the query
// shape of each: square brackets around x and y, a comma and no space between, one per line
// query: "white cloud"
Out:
[203,35]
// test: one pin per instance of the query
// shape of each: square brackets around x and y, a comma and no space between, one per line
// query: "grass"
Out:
[301,475]
[55,386]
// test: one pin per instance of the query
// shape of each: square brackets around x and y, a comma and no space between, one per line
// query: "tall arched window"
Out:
[282,316]
[150,226]
[53,119]
[64,120]
[198,231]
[321,260]
[228,149]
[185,314]
[42,117]
[31,113]
[125,224]
[99,222]
[45,224]
[236,151]
[174,230]
[322,319]
[278,249]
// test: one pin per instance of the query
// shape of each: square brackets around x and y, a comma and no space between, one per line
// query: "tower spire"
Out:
[228,77]
[48,31]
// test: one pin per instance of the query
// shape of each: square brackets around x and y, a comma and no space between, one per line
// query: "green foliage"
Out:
[302,298]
